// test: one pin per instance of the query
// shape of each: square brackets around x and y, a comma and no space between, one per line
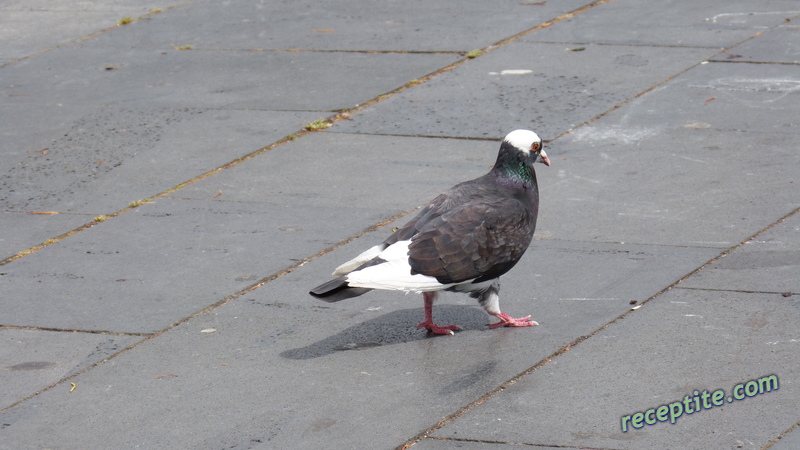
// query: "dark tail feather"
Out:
[336,290]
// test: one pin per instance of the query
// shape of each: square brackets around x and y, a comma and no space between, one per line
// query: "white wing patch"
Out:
[353,264]
[394,274]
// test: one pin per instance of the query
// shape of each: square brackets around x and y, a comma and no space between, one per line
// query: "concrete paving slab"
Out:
[19,40]
[49,24]
[134,111]
[341,25]
[727,98]
[22,231]
[623,370]
[779,45]
[675,144]
[101,162]
[30,27]
[389,173]
[321,81]
[544,88]
[769,263]
[280,369]
[670,23]
[142,271]
[693,187]
[36,359]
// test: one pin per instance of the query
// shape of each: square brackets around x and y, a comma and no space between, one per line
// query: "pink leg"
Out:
[506,321]
[428,324]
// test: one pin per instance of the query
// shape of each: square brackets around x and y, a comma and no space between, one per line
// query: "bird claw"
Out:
[436,329]
[507,321]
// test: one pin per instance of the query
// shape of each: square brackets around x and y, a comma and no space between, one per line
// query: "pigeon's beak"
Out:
[543,158]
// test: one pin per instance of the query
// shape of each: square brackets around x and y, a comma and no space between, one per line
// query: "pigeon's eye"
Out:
[535,147]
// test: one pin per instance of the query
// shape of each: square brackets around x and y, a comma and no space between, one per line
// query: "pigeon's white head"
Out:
[529,143]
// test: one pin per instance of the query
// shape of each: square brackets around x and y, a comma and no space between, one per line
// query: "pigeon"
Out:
[463,241]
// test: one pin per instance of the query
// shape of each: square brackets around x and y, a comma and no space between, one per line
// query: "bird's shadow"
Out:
[396,327]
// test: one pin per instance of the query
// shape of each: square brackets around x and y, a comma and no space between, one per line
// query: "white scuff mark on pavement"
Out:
[697,125]
[755,84]
[586,179]
[693,315]
[659,214]
[624,135]
[691,159]
[746,14]
[782,86]
[778,342]
[777,243]
[512,72]
[712,243]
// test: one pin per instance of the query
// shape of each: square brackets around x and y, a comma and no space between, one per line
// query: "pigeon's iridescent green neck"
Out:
[517,171]
[512,165]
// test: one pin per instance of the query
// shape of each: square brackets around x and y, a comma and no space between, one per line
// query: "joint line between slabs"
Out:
[527,444]
[302,50]
[740,291]
[71,330]
[763,63]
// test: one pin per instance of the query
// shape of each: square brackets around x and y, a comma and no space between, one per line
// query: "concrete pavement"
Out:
[165,211]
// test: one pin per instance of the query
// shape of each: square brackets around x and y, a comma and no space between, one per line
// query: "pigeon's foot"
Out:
[507,321]
[436,329]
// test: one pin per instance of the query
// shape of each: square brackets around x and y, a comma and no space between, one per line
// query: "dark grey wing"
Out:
[474,241]
[453,198]
[414,225]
